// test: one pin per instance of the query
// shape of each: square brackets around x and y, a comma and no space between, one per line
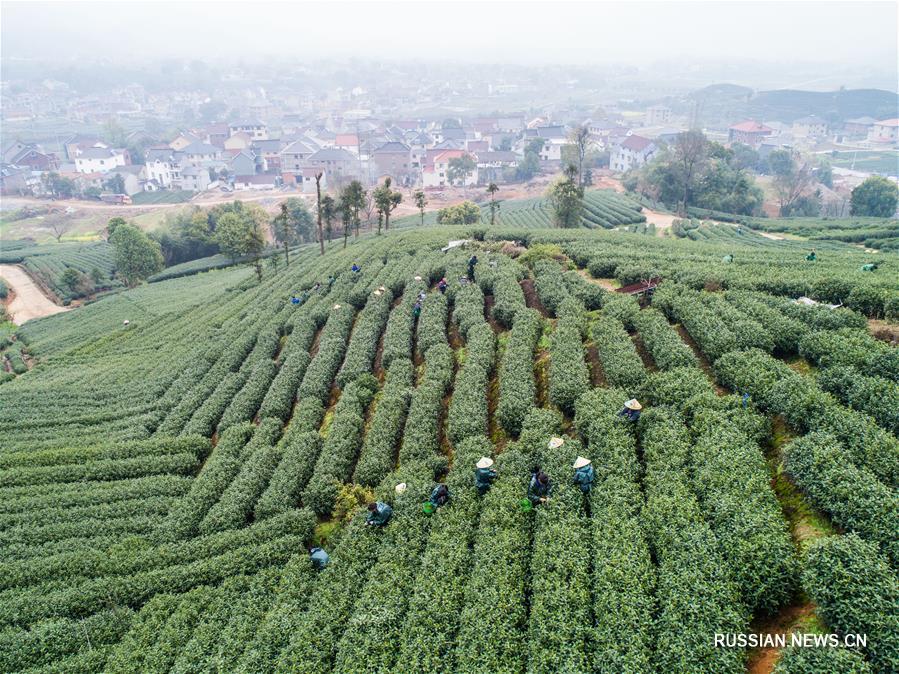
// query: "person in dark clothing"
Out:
[331,280]
[294,299]
[631,410]
[355,268]
[538,489]
[472,261]
[378,514]
[583,474]
[439,496]
[441,286]
[416,310]
[484,475]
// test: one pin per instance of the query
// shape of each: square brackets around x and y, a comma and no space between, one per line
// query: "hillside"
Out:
[170,452]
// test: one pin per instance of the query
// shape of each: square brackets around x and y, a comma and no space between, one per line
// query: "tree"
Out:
[114,133]
[345,208]
[580,139]
[534,145]
[115,184]
[112,224]
[460,168]
[241,236]
[318,208]
[566,197]
[386,200]
[824,173]
[354,197]
[57,186]
[466,213]
[690,152]
[492,189]
[281,227]
[70,278]
[58,224]
[420,202]
[328,210]
[299,223]
[136,255]
[876,197]
[791,180]
[529,166]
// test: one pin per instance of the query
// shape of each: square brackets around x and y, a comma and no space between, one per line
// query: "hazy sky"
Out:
[855,33]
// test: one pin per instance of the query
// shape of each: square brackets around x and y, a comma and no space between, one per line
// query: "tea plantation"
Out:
[172,452]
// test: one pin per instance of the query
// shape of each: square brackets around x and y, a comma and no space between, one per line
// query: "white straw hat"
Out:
[377,292]
[337,306]
[418,278]
[484,462]
[555,442]
[400,488]
[633,404]
[580,462]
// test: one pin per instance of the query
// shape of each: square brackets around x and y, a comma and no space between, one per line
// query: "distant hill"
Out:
[786,105]
[722,104]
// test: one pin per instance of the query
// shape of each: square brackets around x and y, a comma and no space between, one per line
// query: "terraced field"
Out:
[160,480]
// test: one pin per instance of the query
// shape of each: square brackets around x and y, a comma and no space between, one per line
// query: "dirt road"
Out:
[28,301]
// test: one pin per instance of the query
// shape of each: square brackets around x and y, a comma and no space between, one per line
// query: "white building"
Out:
[633,152]
[809,127]
[99,160]
[255,129]
[884,131]
[658,115]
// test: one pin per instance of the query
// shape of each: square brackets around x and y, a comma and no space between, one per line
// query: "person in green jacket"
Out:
[319,558]
[378,514]
[811,257]
[484,475]
[583,474]
[539,487]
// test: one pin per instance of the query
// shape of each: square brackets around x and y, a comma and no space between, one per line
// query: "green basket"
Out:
[526,505]
[428,508]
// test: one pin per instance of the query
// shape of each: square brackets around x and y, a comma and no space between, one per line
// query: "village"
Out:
[257,142]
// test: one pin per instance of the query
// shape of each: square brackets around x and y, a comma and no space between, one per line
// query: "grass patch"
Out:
[806,523]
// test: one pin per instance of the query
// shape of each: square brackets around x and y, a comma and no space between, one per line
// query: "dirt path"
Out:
[662,221]
[29,302]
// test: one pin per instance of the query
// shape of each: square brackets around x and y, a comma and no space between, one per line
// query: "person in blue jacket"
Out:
[583,474]
[319,558]
[378,514]
[484,475]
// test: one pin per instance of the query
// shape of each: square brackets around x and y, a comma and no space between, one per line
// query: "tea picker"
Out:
[871,266]
[583,474]
[811,257]
[472,261]
[631,410]
[319,558]
[484,475]
[539,487]
[378,514]
[439,497]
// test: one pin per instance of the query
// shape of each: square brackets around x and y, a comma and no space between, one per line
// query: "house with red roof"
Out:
[632,152]
[348,142]
[436,172]
[749,133]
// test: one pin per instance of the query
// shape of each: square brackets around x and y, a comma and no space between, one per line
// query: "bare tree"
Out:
[318,205]
[58,224]
[791,184]
[690,154]
[580,139]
